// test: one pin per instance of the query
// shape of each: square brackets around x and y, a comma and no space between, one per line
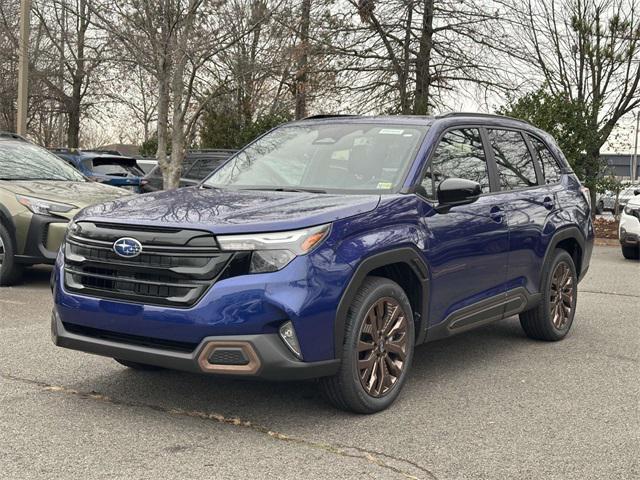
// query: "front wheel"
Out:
[377,350]
[552,319]
[10,270]
[631,253]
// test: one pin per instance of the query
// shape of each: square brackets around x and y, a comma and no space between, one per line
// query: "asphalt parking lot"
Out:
[489,404]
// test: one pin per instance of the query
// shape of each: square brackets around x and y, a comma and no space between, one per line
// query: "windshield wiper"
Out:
[287,189]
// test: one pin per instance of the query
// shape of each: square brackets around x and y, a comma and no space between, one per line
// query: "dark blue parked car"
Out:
[330,248]
[106,167]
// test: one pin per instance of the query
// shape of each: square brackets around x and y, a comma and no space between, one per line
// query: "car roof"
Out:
[445,120]
[88,154]
[11,136]
[453,117]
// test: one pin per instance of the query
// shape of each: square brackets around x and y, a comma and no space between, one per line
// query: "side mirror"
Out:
[457,191]
[636,191]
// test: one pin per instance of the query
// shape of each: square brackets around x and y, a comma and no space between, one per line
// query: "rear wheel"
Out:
[631,253]
[552,319]
[10,270]
[138,366]
[377,350]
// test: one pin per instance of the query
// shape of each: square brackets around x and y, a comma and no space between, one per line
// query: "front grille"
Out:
[176,266]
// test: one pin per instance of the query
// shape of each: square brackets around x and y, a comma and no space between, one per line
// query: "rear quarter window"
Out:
[550,169]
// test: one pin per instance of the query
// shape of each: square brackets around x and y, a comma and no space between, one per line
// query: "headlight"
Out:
[274,251]
[44,207]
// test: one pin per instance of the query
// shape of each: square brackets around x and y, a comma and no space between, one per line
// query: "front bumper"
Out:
[629,233]
[43,239]
[628,239]
[267,356]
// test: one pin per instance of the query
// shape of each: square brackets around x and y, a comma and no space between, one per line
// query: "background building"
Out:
[620,165]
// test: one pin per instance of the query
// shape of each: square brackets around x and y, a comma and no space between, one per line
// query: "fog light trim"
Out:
[250,368]
[290,339]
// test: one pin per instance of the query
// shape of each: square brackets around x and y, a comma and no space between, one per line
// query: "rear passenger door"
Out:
[529,204]
[466,247]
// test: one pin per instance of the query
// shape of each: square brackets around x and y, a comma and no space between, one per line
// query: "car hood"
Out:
[231,211]
[80,194]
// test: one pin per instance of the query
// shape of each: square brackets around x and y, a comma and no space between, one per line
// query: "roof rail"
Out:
[12,135]
[479,115]
[330,115]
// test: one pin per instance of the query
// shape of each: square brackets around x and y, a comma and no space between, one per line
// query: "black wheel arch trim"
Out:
[408,255]
[565,233]
[7,222]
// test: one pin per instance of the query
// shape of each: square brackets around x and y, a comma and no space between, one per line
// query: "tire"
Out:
[138,366]
[631,253]
[10,270]
[551,321]
[378,298]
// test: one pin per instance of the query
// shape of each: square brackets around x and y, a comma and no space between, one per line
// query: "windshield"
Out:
[24,161]
[357,157]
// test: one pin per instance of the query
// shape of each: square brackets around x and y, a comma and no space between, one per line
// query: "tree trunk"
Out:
[174,171]
[74,109]
[302,74]
[163,126]
[591,174]
[75,102]
[423,62]
[73,127]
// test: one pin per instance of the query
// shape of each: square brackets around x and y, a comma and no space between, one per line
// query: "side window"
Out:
[513,160]
[459,155]
[550,169]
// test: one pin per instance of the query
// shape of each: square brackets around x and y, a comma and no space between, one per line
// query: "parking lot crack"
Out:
[400,466]
[600,292]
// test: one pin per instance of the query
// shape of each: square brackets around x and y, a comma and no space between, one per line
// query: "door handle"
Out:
[496,214]
[548,203]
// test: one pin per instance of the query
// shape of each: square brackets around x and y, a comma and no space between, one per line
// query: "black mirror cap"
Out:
[458,191]
[636,191]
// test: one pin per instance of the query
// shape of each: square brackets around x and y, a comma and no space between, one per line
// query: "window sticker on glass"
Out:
[361,141]
[391,131]
[384,186]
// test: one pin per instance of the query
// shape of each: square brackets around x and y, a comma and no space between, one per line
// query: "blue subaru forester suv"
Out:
[329,248]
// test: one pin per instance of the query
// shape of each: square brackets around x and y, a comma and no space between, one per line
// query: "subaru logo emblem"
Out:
[127,247]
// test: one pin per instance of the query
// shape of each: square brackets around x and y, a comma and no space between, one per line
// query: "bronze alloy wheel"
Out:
[562,295]
[382,347]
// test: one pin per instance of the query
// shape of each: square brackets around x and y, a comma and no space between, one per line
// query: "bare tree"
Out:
[587,51]
[176,42]
[302,74]
[76,53]
[406,53]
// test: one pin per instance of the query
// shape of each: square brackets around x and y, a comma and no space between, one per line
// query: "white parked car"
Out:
[629,232]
